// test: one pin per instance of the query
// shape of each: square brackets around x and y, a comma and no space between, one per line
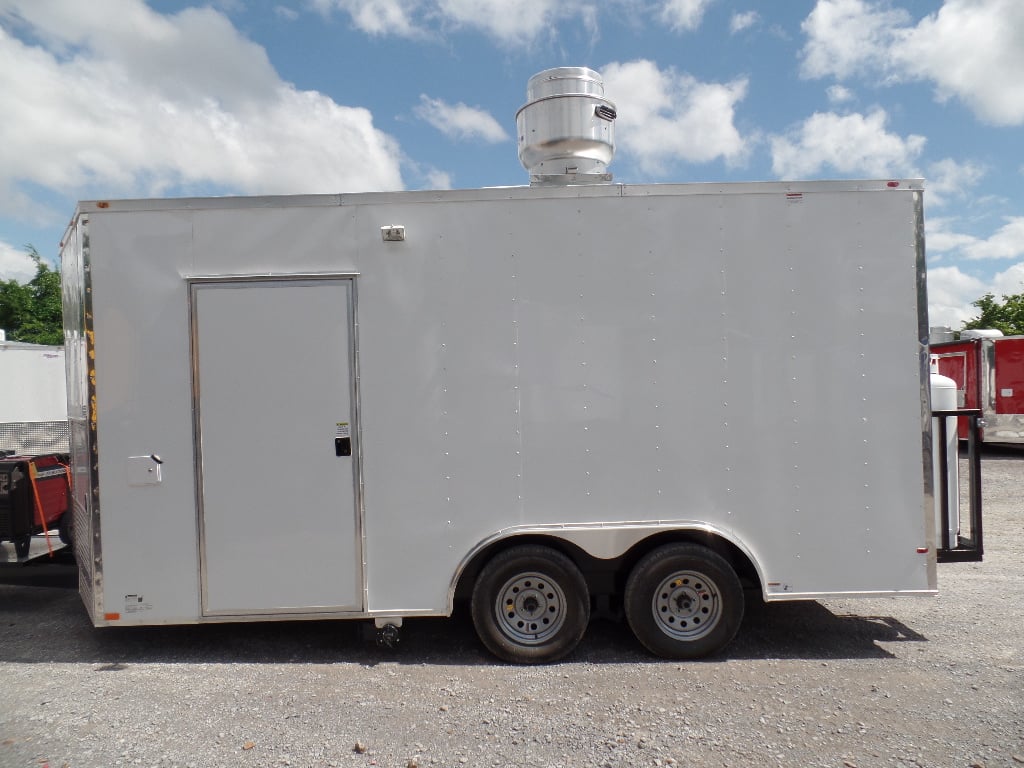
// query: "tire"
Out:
[22,544]
[65,528]
[683,601]
[530,605]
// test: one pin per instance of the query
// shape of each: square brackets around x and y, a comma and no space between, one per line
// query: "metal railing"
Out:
[969,546]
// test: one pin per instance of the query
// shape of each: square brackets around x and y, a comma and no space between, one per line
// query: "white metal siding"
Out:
[728,355]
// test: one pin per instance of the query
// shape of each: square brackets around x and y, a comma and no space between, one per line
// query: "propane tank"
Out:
[943,391]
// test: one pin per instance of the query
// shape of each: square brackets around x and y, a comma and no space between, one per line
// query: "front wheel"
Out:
[530,605]
[683,601]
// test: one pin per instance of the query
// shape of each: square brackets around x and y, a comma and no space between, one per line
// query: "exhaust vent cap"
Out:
[566,129]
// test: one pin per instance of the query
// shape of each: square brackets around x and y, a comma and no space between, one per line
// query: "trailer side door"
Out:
[959,361]
[1009,375]
[274,364]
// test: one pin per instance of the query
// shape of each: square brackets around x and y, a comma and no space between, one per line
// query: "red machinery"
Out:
[34,493]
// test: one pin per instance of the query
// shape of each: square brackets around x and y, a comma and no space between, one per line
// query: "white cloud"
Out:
[379,17]
[230,6]
[286,13]
[941,238]
[949,179]
[15,264]
[1009,282]
[126,100]
[511,22]
[459,121]
[666,117]
[845,37]
[1007,242]
[972,50]
[853,144]
[191,56]
[739,22]
[951,291]
[839,94]
[438,179]
[683,15]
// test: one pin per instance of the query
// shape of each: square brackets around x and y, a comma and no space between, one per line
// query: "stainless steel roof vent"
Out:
[566,129]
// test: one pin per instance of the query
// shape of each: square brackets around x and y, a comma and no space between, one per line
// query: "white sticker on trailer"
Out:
[1006,393]
[343,429]
[136,604]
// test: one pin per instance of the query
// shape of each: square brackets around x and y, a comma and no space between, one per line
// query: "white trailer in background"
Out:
[33,399]
[369,405]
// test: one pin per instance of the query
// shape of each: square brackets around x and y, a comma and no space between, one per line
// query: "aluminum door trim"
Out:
[270,277]
[193,285]
[88,546]
[987,378]
[924,366]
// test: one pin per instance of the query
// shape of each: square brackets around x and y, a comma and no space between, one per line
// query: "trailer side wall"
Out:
[596,360]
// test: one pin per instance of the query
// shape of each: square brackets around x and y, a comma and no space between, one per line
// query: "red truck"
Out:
[988,369]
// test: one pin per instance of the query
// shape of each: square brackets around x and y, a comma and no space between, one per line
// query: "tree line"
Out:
[31,312]
[1006,315]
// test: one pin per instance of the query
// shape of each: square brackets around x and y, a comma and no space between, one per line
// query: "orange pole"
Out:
[39,506]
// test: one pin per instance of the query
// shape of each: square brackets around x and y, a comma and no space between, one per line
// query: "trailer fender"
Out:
[603,541]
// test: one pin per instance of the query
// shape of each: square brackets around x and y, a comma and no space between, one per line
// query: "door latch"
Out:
[343,439]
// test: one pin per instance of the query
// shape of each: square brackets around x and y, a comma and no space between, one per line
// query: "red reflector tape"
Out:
[922,550]
[893,184]
[112,616]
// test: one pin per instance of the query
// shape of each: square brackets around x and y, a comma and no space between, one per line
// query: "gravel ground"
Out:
[885,682]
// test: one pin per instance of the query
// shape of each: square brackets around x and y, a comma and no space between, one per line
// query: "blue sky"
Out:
[124,98]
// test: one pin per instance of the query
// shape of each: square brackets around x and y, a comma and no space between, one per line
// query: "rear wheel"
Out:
[530,605]
[683,601]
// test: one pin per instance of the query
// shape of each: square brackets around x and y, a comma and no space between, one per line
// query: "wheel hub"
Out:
[530,608]
[686,605]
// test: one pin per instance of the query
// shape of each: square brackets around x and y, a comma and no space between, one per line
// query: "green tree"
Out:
[31,312]
[1007,315]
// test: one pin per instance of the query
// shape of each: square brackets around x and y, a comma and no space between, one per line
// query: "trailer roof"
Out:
[498,193]
[9,345]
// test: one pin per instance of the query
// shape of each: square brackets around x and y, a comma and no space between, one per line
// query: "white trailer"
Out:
[370,405]
[33,401]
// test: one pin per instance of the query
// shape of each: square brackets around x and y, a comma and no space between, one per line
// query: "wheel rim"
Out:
[530,608]
[687,605]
